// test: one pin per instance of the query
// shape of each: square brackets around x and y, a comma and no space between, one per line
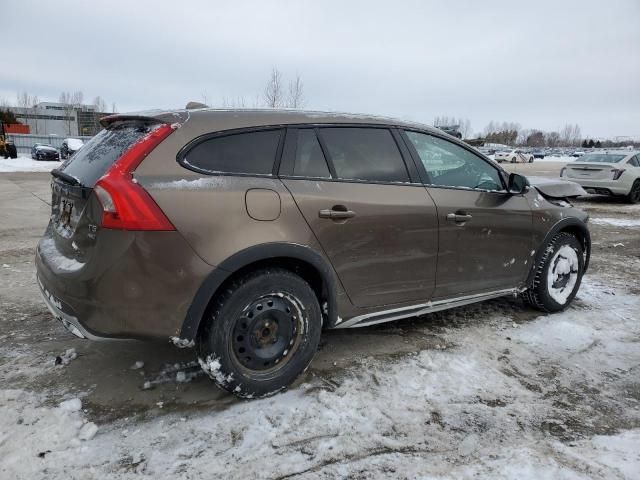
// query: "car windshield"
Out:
[601,158]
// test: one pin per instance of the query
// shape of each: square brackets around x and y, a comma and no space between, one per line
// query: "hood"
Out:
[556,187]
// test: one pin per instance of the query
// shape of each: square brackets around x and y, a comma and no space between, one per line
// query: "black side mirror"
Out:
[518,183]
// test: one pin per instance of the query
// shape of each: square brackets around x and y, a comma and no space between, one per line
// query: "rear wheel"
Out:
[261,334]
[513,160]
[634,193]
[558,274]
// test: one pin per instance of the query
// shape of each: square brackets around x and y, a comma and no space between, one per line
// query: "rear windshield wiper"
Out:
[66,178]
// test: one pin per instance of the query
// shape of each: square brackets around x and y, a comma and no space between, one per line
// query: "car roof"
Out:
[227,119]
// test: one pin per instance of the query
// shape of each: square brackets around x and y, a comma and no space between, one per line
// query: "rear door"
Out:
[376,225]
[485,233]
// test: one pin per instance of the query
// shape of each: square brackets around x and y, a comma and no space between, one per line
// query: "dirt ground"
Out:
[582,393]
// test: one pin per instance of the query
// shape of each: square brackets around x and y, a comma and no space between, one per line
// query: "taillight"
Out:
[617,173]
[125,204]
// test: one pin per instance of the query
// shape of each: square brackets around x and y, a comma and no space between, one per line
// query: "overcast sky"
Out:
[539,63]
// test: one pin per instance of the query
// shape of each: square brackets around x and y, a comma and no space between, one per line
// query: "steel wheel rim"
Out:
[267,333]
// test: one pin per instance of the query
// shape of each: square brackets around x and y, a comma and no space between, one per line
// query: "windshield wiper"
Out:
[66,178]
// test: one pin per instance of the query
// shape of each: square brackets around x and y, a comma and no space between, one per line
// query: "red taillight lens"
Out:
[617,173]
[125,204]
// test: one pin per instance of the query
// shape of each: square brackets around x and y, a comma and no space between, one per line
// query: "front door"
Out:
[379,230]
[485,233]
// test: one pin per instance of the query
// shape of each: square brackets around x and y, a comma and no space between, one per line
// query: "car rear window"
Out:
[364,154]
[248,153]
[601,158]
[94,159]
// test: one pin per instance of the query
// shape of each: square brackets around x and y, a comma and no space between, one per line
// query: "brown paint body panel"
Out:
[491,250]
[387,252]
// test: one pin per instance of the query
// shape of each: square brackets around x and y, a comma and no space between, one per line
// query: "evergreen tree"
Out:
[592,143]
[584,143]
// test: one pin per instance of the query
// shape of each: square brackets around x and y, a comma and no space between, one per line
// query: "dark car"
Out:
[246,233]
[43,151]
[70,146]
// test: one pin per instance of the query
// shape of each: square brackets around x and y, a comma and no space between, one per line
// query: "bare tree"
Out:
[464,127]
[570,135]
[28,102]
[66,100]
[237,102]
[99,106]
[296,93]
[273,91]
[114,109]
[552,139]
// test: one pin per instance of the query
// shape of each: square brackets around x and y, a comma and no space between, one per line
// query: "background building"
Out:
[60,119]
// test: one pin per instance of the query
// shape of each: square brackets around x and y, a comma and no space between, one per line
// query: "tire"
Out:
[240,349]
[531,160]
[634,193]
[513,160]
[544,296]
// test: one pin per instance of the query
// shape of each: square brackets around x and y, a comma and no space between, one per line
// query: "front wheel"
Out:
[634,193]
[558,274]
[261,333]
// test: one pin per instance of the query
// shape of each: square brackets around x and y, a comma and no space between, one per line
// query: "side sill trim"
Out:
[421,309]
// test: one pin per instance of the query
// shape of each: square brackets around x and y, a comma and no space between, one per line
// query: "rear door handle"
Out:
[336,214]
[458,217]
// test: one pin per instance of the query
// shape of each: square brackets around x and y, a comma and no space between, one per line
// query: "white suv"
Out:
[607,173]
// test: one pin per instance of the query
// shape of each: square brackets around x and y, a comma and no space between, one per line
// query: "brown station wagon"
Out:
[244,233]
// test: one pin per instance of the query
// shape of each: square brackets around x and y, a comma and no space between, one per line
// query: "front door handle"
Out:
[336,213]
[458,217]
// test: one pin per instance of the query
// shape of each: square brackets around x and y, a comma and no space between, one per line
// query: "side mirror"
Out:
[518,183]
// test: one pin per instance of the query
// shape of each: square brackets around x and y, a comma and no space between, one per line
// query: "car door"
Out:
[485,233]
[378,228]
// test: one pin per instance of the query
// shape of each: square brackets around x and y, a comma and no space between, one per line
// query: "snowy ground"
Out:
[24,163]
[493,390]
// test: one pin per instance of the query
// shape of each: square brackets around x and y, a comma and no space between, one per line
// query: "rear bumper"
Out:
[136,285]
[602,187]
[71,323]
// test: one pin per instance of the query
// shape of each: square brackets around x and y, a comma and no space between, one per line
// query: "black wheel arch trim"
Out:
[570,222]
[251,255]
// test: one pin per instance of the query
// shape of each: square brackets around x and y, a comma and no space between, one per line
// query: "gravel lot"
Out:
[490,390]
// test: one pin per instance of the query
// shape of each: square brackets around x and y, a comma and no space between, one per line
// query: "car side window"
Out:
[249,153]
[450,165]
[635,161]
[309,160]
[364,154]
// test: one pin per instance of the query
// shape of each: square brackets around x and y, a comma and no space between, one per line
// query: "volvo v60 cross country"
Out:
[245,233]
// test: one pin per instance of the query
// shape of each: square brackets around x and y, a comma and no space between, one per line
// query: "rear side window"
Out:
[94,159]
[364,154]
[250,153]
[310,161]
[635,161]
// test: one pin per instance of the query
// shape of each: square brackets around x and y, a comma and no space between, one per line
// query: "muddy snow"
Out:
[493,390]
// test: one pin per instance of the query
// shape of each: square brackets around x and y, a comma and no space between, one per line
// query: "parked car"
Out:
[514,156]
[44,151]
[538,154]
[246,233]
[70,146]
[577,153]
[607,173]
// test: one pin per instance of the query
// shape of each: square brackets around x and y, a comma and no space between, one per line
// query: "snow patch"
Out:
[617,222]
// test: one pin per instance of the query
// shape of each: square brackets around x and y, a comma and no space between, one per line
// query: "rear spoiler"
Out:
[150,117]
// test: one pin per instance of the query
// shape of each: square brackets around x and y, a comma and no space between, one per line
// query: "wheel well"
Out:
[576,232]
[301,268]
